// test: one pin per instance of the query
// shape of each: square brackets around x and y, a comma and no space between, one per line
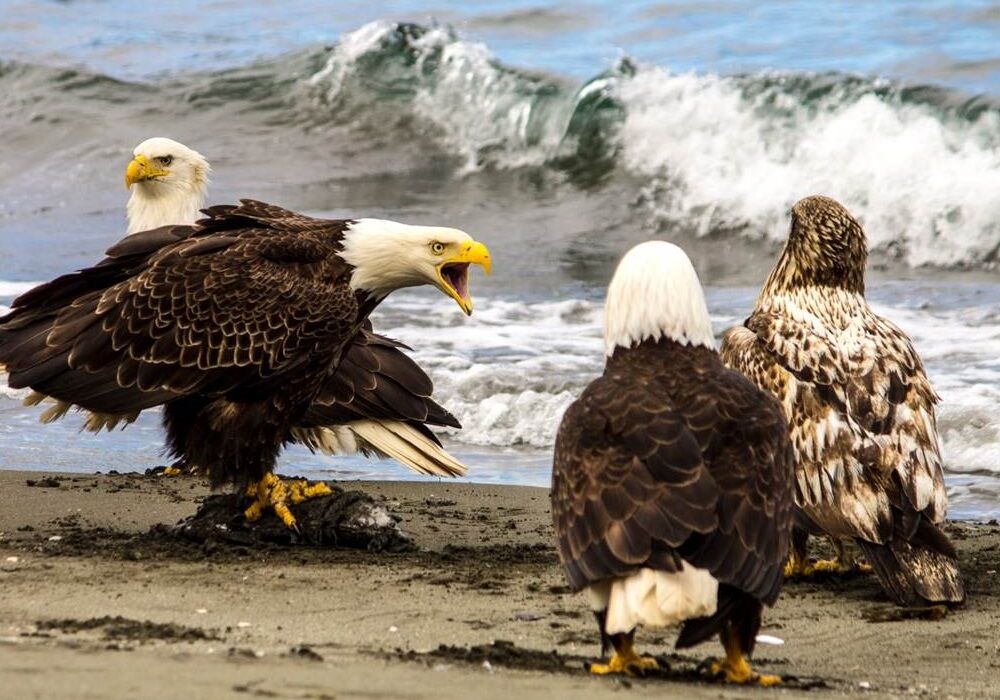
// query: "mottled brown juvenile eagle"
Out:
[859,407]
[239,326]
[671,485]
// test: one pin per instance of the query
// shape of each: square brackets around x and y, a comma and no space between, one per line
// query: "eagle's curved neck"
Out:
[796,270]
[155,204]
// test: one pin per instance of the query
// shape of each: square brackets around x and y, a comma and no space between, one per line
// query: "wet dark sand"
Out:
[97,604]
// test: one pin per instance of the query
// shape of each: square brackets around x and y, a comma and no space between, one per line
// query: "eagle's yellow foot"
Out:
[182,469]
[735,669]
[829,566]
[795,566]
[626,661]
[799,568]
[272,492]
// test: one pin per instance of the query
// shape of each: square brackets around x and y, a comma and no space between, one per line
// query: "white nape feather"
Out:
[655,598]
[388,255]
[655,293]
[175,198]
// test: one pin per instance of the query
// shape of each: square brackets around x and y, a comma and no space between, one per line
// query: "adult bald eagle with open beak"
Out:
[238,325]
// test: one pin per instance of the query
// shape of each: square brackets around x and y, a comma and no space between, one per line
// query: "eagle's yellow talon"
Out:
[272,492]
[303,491]
[736,669]
[828,566]
[733,670]
[798,568]
[795,566]
[625,661]
[172,471]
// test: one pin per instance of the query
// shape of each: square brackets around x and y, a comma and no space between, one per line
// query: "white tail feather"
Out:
[656,598]
[394,439]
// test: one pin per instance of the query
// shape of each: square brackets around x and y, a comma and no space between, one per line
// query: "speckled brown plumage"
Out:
[234,325]
[858,402]
[671,457]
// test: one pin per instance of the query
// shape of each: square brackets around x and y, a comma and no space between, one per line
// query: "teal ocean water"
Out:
[560,134]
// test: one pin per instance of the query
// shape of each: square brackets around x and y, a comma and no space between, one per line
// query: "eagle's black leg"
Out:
[798,559]
[738,635]
[239,442]
[601,616]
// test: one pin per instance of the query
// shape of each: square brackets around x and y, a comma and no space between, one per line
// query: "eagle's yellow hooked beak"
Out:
[453,273]
[141,169]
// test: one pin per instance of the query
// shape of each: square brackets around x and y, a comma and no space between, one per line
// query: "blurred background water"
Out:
[558,133]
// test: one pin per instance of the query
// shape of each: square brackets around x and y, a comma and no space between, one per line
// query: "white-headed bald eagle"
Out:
[237,325]
[378,402]
[671,484]
[859,406]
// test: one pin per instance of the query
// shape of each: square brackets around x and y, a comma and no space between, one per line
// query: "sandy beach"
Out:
[96,604]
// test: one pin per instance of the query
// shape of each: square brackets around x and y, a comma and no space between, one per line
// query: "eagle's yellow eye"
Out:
[437,248]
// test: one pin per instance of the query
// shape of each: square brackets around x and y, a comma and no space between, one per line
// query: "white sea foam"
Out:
[509,372]
[924,184]
[13,289]
[960,348]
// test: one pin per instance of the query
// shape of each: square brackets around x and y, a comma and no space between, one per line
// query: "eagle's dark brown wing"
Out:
[377,380]
[744,440]
[238,299]
[642,479]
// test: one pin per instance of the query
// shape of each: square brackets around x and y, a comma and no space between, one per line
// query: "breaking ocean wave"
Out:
[919,165]
[704,154]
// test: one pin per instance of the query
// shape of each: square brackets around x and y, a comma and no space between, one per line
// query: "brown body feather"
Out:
[668,458]
[235,325]
[859,405]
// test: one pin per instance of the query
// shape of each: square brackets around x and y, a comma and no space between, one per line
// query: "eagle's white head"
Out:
[655,293]
[387,255]
[168,182]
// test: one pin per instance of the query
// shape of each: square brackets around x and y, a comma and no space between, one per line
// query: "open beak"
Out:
[141,169]
[453,273]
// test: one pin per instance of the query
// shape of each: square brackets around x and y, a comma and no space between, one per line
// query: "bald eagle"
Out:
[237,325]
[378,402]
[859,406]
[671,484]
[169,182]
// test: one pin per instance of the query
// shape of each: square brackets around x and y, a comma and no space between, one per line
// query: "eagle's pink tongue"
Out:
[457,275]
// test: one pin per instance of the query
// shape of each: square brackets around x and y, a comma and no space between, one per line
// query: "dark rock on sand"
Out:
[343,519]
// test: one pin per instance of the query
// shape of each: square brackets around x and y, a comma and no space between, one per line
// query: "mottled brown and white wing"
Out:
[860,412]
